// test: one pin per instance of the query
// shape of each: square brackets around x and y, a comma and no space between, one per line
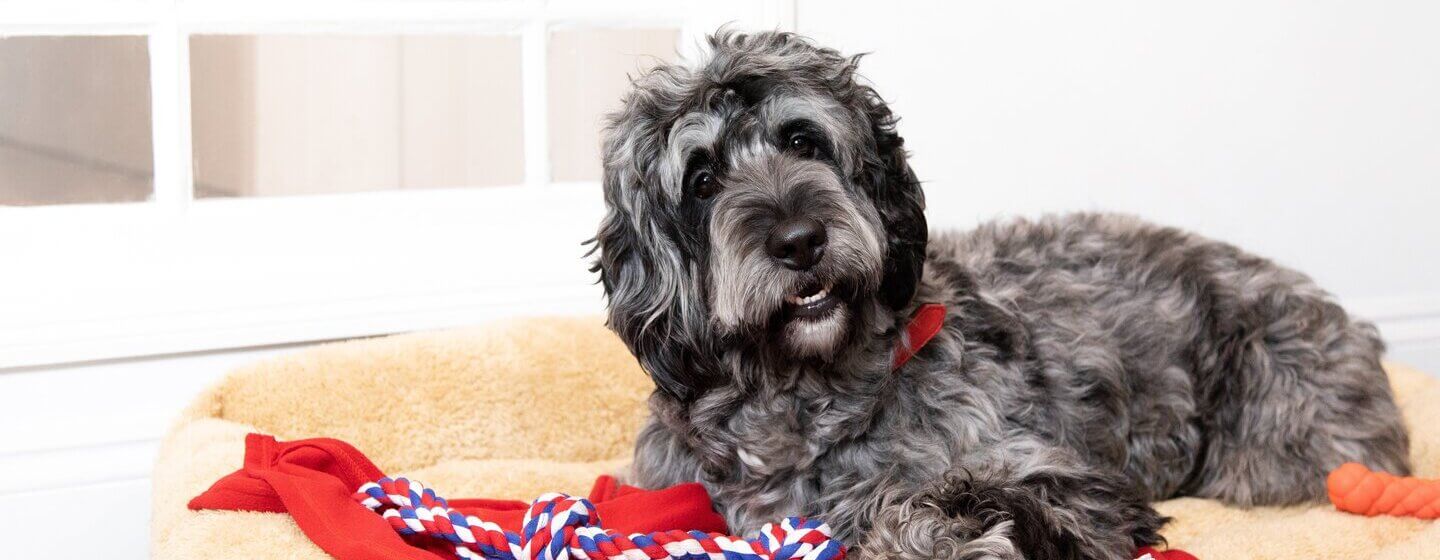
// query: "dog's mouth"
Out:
[814,318]
[811,302]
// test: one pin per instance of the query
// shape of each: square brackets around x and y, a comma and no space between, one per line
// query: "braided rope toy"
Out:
[1356,489]
[561,527]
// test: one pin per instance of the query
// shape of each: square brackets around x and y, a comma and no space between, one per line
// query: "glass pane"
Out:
[74,120]
[283,114]
[589,70]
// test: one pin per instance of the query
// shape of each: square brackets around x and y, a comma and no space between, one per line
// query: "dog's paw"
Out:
[923,527]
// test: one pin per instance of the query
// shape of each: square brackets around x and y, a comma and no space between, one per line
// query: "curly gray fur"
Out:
[1089,363]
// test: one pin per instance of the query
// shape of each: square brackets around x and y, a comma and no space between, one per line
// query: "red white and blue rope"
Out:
[561,527]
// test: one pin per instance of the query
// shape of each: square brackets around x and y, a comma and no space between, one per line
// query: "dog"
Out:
[765,248]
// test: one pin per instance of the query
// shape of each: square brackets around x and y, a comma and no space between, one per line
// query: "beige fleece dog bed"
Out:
[447,408]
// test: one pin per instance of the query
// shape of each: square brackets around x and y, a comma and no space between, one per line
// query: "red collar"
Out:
[924,326]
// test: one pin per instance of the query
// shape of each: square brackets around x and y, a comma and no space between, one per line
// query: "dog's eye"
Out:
[704,185]
[801,145]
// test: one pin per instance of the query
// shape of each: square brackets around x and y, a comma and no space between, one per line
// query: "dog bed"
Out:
[520,408]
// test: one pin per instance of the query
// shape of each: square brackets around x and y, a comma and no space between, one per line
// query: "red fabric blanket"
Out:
[314,480]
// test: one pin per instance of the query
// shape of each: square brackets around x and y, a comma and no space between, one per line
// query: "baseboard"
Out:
[111,520]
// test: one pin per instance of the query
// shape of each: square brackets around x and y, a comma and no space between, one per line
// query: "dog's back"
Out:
[1197,368]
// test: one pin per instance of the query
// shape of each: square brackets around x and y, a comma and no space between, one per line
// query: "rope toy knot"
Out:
[562,527]
[799,538]
[551,523]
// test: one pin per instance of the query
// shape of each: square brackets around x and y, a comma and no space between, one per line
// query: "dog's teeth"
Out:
[817,296]
[812,298]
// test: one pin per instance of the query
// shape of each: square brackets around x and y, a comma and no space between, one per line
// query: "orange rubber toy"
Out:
[1356,489]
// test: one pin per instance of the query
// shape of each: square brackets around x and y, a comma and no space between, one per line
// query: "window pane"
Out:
[281,114]
[74,120]
[589,70]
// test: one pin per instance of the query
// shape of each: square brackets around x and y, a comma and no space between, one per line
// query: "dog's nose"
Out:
[798,243]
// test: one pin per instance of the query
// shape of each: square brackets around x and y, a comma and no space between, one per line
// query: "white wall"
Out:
[1305,131]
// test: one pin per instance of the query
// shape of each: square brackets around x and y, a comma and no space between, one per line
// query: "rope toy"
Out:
[561,527]
[1356,489]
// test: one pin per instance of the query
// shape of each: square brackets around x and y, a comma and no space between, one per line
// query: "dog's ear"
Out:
[648,285]
[897,196]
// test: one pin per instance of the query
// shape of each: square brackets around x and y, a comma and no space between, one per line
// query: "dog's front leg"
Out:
[1032,503]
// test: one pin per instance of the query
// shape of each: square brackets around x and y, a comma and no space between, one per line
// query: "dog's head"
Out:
[759,199]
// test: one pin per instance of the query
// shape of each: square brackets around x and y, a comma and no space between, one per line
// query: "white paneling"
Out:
[83,438]
[110,281]
[58,17]
[116,403]
[78,466]
[250,272]
[1304,131]
[101,422]
[110,520]
[170,109]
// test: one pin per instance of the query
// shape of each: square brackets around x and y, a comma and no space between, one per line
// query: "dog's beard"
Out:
[809,315]
[814,324]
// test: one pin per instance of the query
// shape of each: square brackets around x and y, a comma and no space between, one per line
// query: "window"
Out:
[74,120]
[583,72]
[305,114]
[184,175]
